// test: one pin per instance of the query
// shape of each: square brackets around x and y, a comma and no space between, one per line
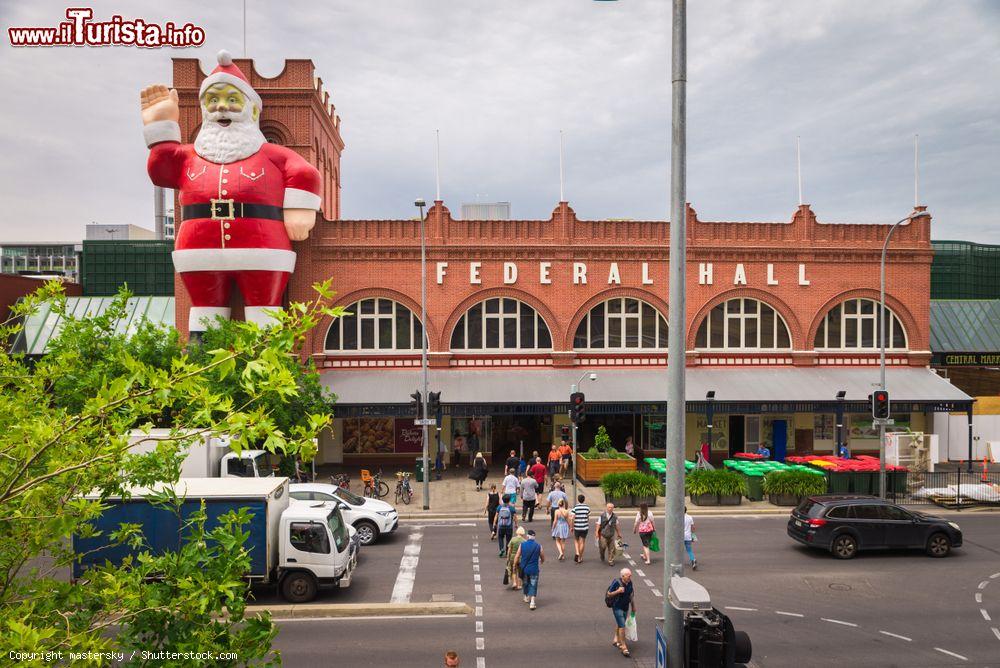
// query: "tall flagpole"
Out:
[562,194]
[437,138]
[916,171]
[798,165]
[244,28]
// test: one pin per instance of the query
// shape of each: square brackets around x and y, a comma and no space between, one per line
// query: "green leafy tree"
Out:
[65,424]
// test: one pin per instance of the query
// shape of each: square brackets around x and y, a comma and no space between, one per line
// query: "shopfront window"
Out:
[621,323]
[854,325]
[375,325]
[743,324]
[501,324]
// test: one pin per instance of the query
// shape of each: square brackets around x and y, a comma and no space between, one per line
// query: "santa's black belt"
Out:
[227,209]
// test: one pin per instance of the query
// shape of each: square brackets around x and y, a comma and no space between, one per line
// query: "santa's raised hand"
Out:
[159,104]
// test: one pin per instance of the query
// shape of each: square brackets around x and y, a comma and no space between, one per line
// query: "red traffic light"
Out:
[881,395]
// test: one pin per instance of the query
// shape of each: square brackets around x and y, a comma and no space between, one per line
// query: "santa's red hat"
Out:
[228,73]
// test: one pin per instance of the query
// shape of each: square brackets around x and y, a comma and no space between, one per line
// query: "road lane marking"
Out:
[480,643]
[656,592]
[996,632]
[475,567]
[475,560]
[649,583]
[733,607]
[476,577]
[479,598]
[995,576]
[982,585]
[457,615]
[479,627]
[479,587]
[480,662]
[985,614]
[479,611]
[957,656]
[788,614]
[979,597]
[896,635]
[640,573]
[466,524]
[403,588]
[837,621]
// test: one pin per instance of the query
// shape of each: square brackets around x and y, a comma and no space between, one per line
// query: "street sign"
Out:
[888,422]
[661,649]
[430,422]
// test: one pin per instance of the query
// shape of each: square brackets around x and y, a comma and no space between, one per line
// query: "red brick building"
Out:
[781,316]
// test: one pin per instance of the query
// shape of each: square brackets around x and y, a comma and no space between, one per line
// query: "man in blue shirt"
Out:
[762,450]
[621,597]
[531,556]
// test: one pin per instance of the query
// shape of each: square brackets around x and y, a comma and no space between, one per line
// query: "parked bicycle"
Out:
[375,487]
[404,492]
[341,480]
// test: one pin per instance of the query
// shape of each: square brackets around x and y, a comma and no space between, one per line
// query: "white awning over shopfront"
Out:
[528,386]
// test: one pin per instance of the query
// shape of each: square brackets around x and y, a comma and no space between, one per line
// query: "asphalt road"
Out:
[800,607]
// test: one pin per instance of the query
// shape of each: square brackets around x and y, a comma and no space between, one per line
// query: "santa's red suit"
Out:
[233,229]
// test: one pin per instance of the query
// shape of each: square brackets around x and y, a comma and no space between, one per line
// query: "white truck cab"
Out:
[317,548]
[247,464]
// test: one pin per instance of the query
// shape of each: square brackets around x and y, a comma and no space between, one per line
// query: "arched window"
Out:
[501,324]
[375,325]
[621,323]
[743,324]
[853,325]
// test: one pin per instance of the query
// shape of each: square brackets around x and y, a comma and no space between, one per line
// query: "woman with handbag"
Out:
[645,527]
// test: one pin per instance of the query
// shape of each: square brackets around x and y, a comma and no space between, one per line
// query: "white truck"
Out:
[299,547]
[210,457]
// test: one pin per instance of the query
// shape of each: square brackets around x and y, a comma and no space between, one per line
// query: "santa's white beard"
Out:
[221,144]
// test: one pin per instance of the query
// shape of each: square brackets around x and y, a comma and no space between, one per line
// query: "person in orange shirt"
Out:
[554,459]
[565,454]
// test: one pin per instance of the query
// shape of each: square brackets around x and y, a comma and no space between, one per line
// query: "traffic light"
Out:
[578,408]
[565,432]
[880,404]
[416,405]
[433,403]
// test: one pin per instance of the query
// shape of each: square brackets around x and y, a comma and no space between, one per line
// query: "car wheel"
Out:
[367,532]
[938,545]
[298,587]
[844,546]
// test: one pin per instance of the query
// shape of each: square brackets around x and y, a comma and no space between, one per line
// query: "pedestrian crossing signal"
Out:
[880,404]
[578,408]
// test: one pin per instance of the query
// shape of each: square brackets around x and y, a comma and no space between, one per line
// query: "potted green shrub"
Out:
[699,486]
[645,488]
[788,488]
[616,489]
[730,486]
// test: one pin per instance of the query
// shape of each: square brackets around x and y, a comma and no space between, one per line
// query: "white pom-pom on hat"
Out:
[225,58]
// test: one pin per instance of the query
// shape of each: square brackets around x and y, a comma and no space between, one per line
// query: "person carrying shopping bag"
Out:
[620,597]
[646,529]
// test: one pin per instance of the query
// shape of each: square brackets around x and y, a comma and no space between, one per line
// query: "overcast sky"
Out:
[856,80]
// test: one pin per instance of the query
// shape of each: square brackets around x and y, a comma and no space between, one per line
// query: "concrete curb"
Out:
[308,610]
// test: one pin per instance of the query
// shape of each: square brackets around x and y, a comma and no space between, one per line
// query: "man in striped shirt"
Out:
[581,525]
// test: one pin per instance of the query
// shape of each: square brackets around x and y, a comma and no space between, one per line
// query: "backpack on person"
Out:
[609,598]
[504,516]
[608,525]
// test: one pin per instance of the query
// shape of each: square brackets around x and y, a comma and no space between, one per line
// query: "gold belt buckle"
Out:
[227,202]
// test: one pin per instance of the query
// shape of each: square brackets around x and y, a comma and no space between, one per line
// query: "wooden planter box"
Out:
[705,499]
[619,501]
[730,499]
[648,500]
[591,470]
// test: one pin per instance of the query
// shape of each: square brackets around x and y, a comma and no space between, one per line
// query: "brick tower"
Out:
[296,113]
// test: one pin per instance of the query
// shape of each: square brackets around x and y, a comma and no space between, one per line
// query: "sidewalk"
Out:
[455,496]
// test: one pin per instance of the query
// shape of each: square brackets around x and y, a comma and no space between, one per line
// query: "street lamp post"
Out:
[420,204]
[881,343]
[574,389]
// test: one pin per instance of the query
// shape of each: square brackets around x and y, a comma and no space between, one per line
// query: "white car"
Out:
[371,517]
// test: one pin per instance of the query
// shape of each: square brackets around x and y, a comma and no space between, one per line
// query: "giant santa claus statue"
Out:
[242,198]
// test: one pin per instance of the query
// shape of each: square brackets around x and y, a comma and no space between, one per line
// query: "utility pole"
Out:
[673,556]
[420,204]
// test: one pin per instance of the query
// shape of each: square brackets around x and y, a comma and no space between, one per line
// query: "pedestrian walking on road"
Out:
[608,533]
[505,523]
[479,471]
[537,471]
[512,461]
[529,497]
[565,454]
[645,527]
[513,565]
[554,459]
[581,526]
[492,503]
[560,528]
[620,597]
[552,500]
[451,659]
[510,484]
[530,556]
[689,538]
